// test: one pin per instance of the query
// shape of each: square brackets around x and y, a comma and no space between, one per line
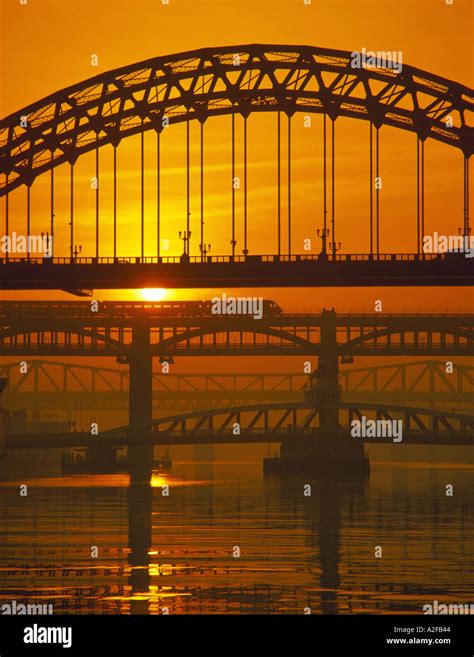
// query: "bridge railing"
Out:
[134,260]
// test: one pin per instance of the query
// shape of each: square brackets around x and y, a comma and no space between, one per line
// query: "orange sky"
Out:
[46,45]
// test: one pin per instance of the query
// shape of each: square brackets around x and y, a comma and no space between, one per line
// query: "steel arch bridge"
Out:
[370,335]
[240,80]
[49,383]
[266,423]
[214,81]
[275,422]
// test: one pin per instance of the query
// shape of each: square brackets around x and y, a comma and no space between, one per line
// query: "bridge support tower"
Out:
[140,457]
[328,450]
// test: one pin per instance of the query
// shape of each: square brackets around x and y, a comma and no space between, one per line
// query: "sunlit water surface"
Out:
[297,551]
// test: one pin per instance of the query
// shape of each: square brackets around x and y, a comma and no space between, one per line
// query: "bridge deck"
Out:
[84,439]
[352,270]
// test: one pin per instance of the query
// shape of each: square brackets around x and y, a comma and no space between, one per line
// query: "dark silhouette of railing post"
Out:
[140,398]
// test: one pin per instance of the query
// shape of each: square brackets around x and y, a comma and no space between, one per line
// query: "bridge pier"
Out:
[329,451]
[140,457]
[327,393]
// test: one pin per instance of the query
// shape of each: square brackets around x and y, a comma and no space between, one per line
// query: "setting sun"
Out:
[154,294]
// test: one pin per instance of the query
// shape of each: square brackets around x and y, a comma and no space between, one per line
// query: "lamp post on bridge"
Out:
[185,236]
[465,233]
[335,248]
[49,242]
[323,234]
[77,250]
[204,249]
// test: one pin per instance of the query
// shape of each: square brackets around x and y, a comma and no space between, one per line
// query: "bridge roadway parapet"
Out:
[348,270]
[51,329]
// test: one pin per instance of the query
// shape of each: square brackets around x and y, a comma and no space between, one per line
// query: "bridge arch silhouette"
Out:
[47,384]
[292,335]
[43,339]
[238,81]
[215,81]
[264,422]
[420,336]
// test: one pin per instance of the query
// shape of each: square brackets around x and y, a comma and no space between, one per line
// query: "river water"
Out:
[227,540]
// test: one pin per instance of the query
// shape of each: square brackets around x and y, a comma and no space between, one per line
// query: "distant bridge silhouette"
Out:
[47,384]
[62,328]
[265,423]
